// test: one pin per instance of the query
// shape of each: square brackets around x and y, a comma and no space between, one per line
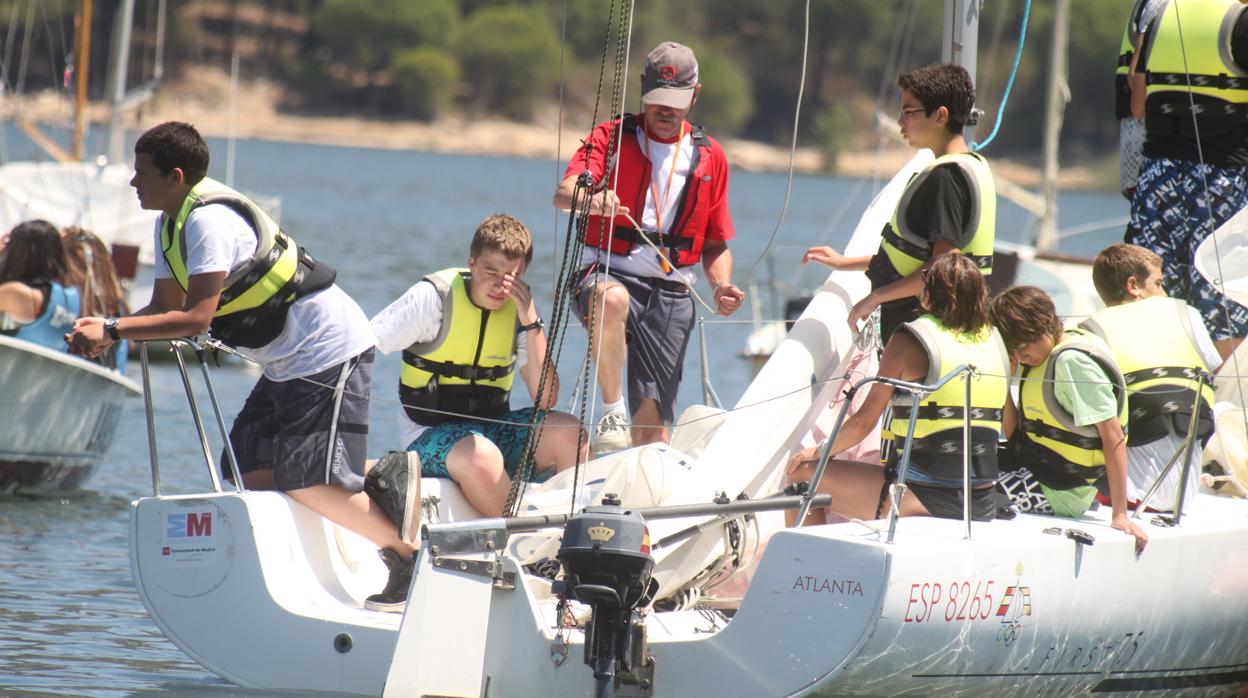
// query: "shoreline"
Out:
[202,98]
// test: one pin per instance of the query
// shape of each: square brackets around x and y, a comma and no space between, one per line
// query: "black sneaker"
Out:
[393,599]
[394,484]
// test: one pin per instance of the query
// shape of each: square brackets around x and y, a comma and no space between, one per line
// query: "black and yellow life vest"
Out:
[251,311]
[1201,55]
[1061,454]
[1130,34]
[938,430]
[468,368]
[1155,347]
[907,251]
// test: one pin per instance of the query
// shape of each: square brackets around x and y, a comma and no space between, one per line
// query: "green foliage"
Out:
[362,53]
[366,33]
[833,128]
[726,100]
[425,78]
[510,57]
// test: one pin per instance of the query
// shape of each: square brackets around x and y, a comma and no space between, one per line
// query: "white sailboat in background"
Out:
[742,606]
[61,411]
[94,195]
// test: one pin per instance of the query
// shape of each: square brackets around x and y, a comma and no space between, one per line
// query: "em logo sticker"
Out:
[188,539]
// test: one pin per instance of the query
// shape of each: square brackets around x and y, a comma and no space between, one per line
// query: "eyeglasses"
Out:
[901,115]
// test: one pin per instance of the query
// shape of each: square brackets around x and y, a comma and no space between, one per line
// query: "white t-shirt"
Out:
[322,330]
[416,316]
[1145,462]
[642,259]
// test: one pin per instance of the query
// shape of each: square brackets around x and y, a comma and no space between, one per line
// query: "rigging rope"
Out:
[565,286]
[797,114]
[1009,84]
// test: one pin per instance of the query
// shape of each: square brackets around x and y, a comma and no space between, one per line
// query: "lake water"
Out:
[70,620]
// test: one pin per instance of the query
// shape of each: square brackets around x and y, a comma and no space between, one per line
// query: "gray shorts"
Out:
[286,427]
[660,320]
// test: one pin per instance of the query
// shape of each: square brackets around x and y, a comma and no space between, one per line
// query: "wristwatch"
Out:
[110,328]
[535,325]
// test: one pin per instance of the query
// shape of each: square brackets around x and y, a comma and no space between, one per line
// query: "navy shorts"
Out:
[509,434]
[285,426]
[1171,216]
[660,320]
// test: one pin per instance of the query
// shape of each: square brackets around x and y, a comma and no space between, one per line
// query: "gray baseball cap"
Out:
[670,76]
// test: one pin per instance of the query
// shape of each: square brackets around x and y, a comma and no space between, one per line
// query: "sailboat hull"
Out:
[268,595]
[59,416]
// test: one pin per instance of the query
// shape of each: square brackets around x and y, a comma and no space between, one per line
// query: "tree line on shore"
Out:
[425,59]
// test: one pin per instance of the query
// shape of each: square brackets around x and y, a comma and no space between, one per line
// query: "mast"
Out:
[960,39]
[1057,95]
[117,79]
[81,73]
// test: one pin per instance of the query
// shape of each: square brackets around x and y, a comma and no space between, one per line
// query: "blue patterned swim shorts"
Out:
[508,434]
[1171,214]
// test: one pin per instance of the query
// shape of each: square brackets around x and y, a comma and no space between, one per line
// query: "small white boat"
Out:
[266,594]
[59,416]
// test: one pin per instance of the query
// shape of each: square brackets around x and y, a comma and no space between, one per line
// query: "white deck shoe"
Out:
[612,433]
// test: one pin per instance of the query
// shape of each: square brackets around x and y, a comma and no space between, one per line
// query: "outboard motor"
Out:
[607,565]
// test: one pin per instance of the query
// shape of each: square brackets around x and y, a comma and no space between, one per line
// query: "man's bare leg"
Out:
[606,337]
[648,426]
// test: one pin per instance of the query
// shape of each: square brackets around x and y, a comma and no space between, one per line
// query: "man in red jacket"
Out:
[654,209]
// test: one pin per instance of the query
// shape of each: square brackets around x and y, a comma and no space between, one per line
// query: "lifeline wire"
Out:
[215,344]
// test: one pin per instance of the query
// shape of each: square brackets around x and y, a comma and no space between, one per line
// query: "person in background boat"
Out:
[951,205]
[1130,129]
[671,193]
[954,330]
[37,304]
[1069,427]
[91,272]
[1161,345]
[465,334]
[1195,172]
[226,269]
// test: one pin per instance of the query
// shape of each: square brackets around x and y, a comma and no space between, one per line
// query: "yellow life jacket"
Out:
[251,311]
[907,251]
[1155,347]
[1061,454]
[938,430]
[468,368]
[1201,55]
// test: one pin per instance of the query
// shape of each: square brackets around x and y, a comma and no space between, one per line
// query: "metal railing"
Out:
[897,490]
[1185,450]
[200,352]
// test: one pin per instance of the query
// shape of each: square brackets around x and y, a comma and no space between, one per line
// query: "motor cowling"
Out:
[607,546]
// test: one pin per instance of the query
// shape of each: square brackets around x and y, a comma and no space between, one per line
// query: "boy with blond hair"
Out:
[465,333]
[1161,345]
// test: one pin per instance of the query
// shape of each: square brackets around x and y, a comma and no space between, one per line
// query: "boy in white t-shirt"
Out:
[228,269]
[1151,333]
[465,336]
